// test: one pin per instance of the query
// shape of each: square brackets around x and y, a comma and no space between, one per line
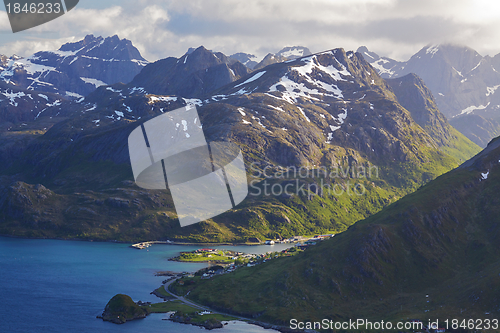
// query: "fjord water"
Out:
[61,286]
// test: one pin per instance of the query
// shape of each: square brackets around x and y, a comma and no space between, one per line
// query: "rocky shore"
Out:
[209,324]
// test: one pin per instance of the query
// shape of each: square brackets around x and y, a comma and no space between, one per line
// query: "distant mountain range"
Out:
[68,175]
[463,82]
[286,53]
[246,59]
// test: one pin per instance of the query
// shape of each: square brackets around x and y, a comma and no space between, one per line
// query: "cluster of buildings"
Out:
[298,239]
[255,259]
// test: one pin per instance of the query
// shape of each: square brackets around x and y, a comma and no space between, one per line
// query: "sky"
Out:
[163,28]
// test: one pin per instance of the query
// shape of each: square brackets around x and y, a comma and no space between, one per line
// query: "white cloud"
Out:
[28,47]
[144,28]
[162,28]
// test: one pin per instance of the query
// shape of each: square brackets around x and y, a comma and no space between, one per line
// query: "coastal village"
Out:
[177,286]
[223,261]
[226,261]
[298,240]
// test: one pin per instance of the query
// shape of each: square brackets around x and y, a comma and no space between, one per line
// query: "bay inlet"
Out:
[61,286]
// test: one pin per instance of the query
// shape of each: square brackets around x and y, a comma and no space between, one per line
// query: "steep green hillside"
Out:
[432,254]
[415,97]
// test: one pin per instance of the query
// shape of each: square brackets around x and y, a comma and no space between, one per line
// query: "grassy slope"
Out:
[440,241]
[94,217]
[460,147]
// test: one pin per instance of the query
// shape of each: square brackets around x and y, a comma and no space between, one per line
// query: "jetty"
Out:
[144,245]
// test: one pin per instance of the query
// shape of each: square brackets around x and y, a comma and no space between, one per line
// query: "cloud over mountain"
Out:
[167,28]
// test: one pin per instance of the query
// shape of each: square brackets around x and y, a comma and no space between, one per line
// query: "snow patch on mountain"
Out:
[12,96]
[97,83]
[381,70]
[304,114]
[276,108]
[156,99]
[26,65]
[473,108]
[193,101]
[491,90]
[253,78]
[314,65]
[432,50]
[293,90]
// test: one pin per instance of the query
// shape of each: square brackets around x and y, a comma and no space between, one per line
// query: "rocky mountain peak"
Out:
[105,48]
[294,52]
[195,74]
[246,59]
[287,53]
[460,57]
[75,46]
[200,59]
[369,56]
[462,81]
[313,77]
[77,68]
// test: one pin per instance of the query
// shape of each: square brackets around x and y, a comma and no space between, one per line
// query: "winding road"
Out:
[199,306]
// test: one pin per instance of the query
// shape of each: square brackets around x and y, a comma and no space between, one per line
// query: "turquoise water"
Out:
[61,286]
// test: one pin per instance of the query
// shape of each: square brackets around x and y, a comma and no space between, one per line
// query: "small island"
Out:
[121,308]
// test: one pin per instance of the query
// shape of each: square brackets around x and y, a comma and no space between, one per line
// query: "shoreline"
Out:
[143,245]
[224,312]
[166,242]
[131,243]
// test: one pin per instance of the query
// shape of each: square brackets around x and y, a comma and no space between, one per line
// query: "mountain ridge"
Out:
[462,81]
[192,75]
[76,69]
[328,109]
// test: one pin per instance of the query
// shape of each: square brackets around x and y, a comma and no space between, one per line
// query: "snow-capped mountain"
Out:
[246,59]
[462,81]
[385,67]
[294,52]
[287,53]
[76,69]
[335,96]
[19,106]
